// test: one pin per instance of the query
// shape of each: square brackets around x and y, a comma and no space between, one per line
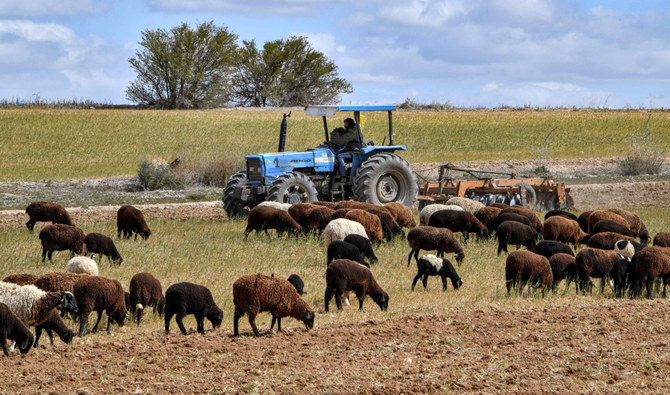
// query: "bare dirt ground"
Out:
[619,346]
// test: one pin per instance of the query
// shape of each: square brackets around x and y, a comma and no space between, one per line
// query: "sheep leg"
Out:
[109,322]
[278,324]
[44,254]
[139,313]
[424,280]
[118,233]
[3,341]
[50,256]
[665,283]
[200,321]
[272,324]
[416,278]
[252,322]
[168,318]
[181,324]
[361,297]
[327,296]
[466,236]
[444,283]
[83,322]
[650,283]
[338,299]
[409,258]
[238,313]
[95,327]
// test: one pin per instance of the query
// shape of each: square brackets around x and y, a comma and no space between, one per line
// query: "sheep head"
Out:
[25,345]
[215,317]
[383,301]
[68,302]
[308,319]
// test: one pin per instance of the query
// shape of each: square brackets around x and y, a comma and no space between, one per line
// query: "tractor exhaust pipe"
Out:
[282,133]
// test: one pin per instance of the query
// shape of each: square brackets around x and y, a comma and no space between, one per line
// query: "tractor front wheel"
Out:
[293,187]
[234,207]
[385,178]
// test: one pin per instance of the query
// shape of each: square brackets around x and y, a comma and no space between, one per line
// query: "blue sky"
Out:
[558,53]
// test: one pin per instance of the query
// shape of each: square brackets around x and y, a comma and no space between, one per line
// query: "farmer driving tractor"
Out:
[342,140]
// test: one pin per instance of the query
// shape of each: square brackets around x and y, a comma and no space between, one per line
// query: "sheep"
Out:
[278,205]
[343,275]
[340,228]
[583,220]
[339,249]
[430,209]
[300,213]
[600,215]
[458,221]
[54,323]
[610,226]
[564,230]
[319,217]
[637,227]
[650,263]
[430,265]
[593,262]
[402,214]
[21,279]
[371,223]
[264,218]
[330,205]
[47,212]
[256,293]
[97,243]
[58,281]
[364,246]
[522,267]
[297,283]
[145,290]
[512,232]
[487,216]
[182,299]
[126,297]
[561,213]
[431,238]
[627,248]
[390,227]
[130,220]
[13,328]
[606,240]
[82,264]
[466,204]
[622,276]
[32,305]
[662,239]
[563,266]
[502,217]
[58,237]
[535,222]
[548,248]
[95,293]
[501,206]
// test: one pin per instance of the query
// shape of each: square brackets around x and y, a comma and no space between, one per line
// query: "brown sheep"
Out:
[343,275]
[662,239]
[402,214]
[54,323]
[319,217]
[330,205]
[564,230]
[431,238]
[606,240]
[583,220]
[600,215]
[523,267]
[300,213]
[593,262]
[59,237]
[95,293]
[130,220]
[610,226]
[21,279]
[501,206]
[637,227]
[264,218]
[12,328]
[515,233]
[459,221]
[563,266]
[488,216]
[58,281]
[256,293]
[371,223]
[47,212]
[650,263]
[97,243]
[528,213]
[145,290]
[390,227]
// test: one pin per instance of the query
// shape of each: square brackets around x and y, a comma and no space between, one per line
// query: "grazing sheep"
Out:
[622,275]
[535,222]
[627,248]
[54,323]
[593,262]
[563,266]
[512,232]
[300,213]
[277,205]
[548,248]
[662,239]
[82,264]
[340,249]
[97,243]
[564,230]
[431,209]
[264,218]
[583,221]
[340,228]
[606,240]
[330,205]
[130,220]
[145,290]
[256,293]
[469,205]
[58,281]
[502,217]
[402,214]
[319,217]
[126,297]
[297,283]
[371,223]
[488,216]
[637,227]
[364,246]
[13,328]
[182,299]
[561,213]
[58,237]
[31,304]
[431,238]
[47,212]
[650,263]
[430,265]
[610,226]
[600,215]
[458,221]
[95,293]
[501,206]
[21,279]
[523,267]
[390,227]
[343,275]
[361,206]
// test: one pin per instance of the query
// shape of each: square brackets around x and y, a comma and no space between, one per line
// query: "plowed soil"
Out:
[619,346]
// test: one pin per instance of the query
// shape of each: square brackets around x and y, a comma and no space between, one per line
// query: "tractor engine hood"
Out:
[264,168]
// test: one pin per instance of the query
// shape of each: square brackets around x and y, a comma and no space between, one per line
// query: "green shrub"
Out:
[157,174]
[643,157]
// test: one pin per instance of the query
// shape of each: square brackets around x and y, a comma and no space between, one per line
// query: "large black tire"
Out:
[531,196]
[234,207]
[293,187]
[385,178]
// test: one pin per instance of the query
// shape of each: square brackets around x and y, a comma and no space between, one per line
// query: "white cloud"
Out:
[426,13]
[286,7]
[39,8]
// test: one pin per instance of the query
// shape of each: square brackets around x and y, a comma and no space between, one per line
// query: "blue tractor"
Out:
[375,173]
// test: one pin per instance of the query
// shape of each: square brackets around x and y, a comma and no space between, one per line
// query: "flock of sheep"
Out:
[350,230]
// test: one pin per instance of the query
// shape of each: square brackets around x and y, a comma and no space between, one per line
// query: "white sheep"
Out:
[277,205]
[430,209]
[82,264]
[466,204]
[340,228]
[32,305]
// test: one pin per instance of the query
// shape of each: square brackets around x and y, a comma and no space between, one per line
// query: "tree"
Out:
[184,67]
[285,73]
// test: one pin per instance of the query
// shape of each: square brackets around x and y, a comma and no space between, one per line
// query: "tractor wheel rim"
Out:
[388,188]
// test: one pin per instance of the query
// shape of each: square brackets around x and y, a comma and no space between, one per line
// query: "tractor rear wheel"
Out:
[385,178]
[531,196]
[234,207]
[293,187]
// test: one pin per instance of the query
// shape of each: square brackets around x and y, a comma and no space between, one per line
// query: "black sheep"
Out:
[561,213]
[512,232]
[12,328]
[47,212]
[98,243]
[339,249]
[54,323]
[430,265]
[182,299]
[344,275]
[458,221]
[512,217]
[622,276]
[364,246]
[59,237]
[548,248]
[592,262]
[297,282]
[563,266]
[610,226]
[95,293]
[145,290]
[130,220]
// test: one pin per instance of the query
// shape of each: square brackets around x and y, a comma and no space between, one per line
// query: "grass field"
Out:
[213,253]
[43,144]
